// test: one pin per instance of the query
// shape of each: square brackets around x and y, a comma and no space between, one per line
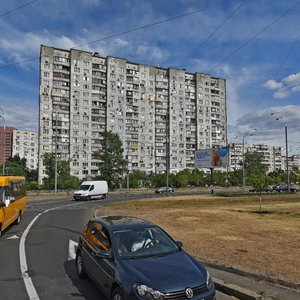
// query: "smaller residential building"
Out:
[271,155]
[6,142]
[25,144]
[294,160]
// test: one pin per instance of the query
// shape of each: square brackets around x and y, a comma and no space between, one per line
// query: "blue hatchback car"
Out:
[131,258]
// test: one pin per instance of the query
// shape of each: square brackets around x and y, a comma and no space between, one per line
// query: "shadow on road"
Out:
[86,288]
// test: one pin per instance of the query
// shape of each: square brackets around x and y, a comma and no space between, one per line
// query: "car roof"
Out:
[118,222]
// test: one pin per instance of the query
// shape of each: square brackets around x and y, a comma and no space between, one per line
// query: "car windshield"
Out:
[84,187]
[144,242]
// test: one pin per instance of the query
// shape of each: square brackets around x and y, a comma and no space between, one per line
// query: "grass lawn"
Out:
[228,230]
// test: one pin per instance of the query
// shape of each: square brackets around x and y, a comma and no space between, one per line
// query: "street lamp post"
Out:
[55,158]
[286,150]
[287,158]
[243,153]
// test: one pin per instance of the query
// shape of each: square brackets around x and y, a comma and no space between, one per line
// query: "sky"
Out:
[254,45]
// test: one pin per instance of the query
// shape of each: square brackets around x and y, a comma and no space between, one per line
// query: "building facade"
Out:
[271,155]
[6,143]
[161,115]
[25,145]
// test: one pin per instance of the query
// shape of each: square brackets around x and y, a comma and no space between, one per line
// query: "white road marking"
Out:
[31,291]
[13,237]
[72,250]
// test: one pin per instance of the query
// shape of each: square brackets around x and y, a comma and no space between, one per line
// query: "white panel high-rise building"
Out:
[161,115]
[25,145]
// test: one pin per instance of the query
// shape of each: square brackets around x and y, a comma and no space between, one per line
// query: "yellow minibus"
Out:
[12,200]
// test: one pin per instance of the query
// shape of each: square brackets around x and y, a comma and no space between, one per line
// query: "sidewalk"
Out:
[266,289]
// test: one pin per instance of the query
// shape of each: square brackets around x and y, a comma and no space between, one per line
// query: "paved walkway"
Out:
[267,289]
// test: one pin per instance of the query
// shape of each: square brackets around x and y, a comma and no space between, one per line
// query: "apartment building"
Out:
[271,155]
[161,115]
[294,160]
[6,142]
[25,145]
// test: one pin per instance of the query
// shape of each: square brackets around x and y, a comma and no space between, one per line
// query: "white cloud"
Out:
[273,84]
[287,86]
[293,79]
[281,94]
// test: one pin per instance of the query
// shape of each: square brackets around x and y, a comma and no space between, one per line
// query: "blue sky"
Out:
[254,45]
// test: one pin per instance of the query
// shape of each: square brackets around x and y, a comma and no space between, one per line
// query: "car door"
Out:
[105,268]
[96,252]
[88,247]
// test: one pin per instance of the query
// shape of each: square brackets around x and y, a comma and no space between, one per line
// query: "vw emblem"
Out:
[189,293]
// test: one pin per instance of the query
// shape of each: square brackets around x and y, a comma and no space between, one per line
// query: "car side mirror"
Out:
[179,244]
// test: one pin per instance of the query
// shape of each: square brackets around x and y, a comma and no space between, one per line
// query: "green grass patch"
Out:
[206,200]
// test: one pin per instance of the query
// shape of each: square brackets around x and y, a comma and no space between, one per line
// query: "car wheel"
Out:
[0,230]
[117,294]
[89,198]
[104,196]
[79,266]
[18,220]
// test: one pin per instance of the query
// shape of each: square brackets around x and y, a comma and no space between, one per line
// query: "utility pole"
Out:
[287,158]
[286,149]
[55,159]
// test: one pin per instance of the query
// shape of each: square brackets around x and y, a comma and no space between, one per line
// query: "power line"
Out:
[19,7]
[142,27]
[212,34]
[254,37]
[114,35]
[19,62]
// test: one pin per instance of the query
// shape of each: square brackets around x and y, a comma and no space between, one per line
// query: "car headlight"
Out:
[209,281]
[147,292]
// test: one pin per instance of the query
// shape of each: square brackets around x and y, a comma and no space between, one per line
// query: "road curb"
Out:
[235,290]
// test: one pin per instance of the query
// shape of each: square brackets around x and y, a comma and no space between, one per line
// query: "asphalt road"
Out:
[47,268]
[47,231]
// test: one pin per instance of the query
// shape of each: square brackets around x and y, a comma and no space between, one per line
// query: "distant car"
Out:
[269,189]
[253,190]
[284,188]
[294,188]
[131,258]
[164,189]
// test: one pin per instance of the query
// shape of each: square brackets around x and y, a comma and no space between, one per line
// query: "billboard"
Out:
[212,158]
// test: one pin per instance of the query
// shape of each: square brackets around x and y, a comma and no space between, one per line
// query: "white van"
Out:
[89,190]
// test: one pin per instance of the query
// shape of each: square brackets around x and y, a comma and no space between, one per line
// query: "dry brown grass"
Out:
[229,231]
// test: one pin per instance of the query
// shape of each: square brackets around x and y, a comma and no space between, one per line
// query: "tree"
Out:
[64,179]
[113,165]
[253,164]
[295,175]
[258,181]
[16,166]
[183,177]
[138,179]
[256,172]
[197,178]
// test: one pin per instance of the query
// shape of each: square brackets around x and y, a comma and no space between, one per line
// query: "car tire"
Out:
[117,294]
[18,220]
[79,266]
[89,198]
[104,196]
